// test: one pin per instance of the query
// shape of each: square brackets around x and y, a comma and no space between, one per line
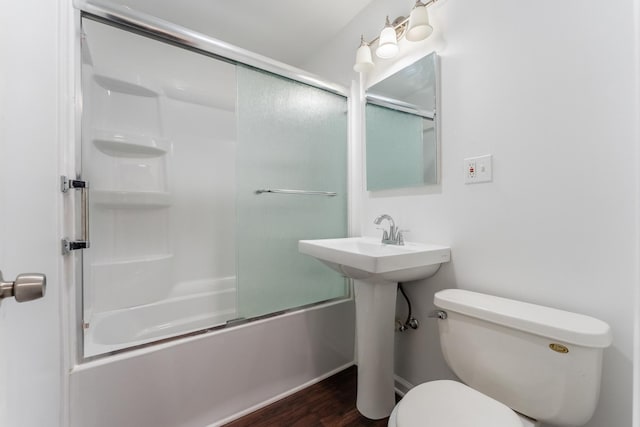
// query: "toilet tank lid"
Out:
[564,326]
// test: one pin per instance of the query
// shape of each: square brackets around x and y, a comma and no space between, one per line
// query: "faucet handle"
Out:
[385,233]
[401,236]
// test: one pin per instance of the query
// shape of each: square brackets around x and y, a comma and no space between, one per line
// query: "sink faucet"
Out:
[393,236]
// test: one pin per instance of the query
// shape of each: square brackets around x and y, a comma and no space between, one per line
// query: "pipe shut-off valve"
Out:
[412,323]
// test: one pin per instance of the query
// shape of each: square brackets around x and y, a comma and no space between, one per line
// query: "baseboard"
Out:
[279,396]
[401,385]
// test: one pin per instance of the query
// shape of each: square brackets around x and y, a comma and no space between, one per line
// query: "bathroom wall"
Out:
[203,179]
[549,89]
[31,380]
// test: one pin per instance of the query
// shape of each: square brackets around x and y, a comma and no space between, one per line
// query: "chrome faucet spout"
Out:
[379,219]
[393,236]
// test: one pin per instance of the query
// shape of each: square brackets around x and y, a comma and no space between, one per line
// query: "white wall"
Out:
[636,347]
[31,382]
[202,178]
[550,90]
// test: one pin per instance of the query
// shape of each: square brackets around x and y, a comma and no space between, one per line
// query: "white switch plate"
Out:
[478,169]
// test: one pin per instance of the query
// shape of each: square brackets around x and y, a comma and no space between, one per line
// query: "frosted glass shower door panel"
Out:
[158,149]
[290,137]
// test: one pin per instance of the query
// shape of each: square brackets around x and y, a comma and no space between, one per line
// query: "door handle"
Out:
[67,184]
[26,287]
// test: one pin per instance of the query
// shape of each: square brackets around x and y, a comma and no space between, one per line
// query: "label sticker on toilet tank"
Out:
[559,348]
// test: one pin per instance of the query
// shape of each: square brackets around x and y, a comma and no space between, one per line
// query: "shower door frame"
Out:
[181,37]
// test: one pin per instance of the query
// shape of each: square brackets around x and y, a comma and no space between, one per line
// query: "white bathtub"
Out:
[213,378]
[190,306]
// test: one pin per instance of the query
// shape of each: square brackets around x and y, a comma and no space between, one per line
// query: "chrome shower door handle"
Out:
[26,287]
[67,184]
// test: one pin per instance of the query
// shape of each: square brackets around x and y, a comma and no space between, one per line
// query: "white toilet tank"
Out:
[542,362]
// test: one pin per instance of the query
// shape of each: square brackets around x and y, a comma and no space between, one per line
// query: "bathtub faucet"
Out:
[393,236]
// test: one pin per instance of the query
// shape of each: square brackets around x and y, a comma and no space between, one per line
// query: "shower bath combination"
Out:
[202,175]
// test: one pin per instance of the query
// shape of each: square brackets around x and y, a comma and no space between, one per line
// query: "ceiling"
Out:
[289,31]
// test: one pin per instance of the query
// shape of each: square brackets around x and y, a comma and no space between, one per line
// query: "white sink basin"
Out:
[376,268]
[365,258]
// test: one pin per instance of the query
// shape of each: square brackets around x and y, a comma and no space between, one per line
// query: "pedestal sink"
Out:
[376,269]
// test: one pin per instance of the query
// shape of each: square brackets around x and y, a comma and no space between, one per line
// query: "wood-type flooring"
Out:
[329,403]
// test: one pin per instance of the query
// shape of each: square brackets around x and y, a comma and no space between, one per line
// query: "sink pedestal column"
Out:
[375,320]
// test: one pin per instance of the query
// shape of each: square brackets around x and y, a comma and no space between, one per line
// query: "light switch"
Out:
[478,169]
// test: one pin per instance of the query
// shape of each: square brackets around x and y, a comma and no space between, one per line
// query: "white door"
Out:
[31,373]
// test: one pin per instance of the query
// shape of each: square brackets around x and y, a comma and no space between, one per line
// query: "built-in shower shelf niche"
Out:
[131,199]
[123,86]
[123,105]
[121,144]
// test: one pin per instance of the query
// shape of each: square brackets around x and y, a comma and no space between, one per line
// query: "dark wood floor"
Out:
[330,403]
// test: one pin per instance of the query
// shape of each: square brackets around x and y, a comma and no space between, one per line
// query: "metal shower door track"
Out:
[192,40]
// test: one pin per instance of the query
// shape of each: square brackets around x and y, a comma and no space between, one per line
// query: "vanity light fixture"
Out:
[419,27]
[415,28]
[387,42]
[363,57]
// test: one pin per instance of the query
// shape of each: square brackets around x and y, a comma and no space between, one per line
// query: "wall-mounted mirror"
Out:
[401,128]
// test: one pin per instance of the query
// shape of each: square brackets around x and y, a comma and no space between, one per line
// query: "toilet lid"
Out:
[450,403]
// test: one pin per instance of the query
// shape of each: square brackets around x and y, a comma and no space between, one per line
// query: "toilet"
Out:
[520,365]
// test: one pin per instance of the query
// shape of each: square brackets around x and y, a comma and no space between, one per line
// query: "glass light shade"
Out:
[387,43]
[419,28]
[364,62]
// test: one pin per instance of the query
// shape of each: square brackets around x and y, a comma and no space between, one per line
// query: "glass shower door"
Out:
[175,146]
[158,149]
[291,158]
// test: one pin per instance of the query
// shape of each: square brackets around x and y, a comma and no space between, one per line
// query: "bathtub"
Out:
[189,307]
[212,378]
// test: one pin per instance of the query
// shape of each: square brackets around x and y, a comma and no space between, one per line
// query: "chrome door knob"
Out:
[26,287]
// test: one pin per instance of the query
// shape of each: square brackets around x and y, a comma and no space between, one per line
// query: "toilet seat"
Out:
[450,403]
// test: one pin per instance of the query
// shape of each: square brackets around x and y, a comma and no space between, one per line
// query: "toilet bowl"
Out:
[453,404]
[520,365]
